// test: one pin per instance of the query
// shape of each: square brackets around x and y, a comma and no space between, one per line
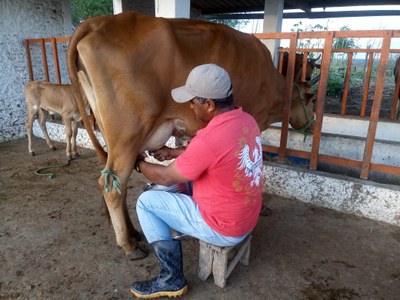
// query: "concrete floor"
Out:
[54,243]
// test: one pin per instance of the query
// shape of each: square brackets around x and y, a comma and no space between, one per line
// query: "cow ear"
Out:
[318,66]
[310,97]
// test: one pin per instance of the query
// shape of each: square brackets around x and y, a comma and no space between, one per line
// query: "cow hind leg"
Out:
[113,183]
[42,123]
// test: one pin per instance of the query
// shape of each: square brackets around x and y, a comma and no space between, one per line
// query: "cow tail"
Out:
[72,61]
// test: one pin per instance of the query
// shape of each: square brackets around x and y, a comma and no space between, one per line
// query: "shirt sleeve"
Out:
[196,159]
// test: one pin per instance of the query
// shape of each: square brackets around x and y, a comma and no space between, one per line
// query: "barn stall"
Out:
[57,244]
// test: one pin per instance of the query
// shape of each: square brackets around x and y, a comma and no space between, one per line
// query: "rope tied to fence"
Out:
[309,121]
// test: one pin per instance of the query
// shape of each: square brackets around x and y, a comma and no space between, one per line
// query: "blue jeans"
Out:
[161,211]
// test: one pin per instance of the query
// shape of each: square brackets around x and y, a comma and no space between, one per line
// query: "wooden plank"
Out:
[274,35]
[366,84]
[56,65]
[29,59]
[304,66]
[44,59]
[288,96]
[380,82]
[280,63]
[385,169]
[324,72]
[340,161]
[346,83]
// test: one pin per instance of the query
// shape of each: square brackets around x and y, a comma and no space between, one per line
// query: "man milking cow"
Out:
[224,162]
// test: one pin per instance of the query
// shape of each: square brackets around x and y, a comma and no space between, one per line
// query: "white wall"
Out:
[21,19]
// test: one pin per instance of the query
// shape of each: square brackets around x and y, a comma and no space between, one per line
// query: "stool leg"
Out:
[219,268]
[205,262]
[244,260]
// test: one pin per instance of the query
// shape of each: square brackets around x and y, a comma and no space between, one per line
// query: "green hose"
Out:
[52,175]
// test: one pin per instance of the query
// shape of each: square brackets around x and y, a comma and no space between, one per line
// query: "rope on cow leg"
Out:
[114,178]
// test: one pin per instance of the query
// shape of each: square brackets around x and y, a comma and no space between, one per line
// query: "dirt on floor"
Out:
[333,105]
[55,243]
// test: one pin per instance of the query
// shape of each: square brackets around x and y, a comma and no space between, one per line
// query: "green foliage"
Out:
[83,9]
[300,27]
[335,83]
[234,23]
[345,43]
[309,43]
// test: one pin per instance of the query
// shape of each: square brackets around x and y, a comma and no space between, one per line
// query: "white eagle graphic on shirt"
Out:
[252,165]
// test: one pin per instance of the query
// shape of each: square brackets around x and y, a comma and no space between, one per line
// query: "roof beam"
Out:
[312,15]
[294,4]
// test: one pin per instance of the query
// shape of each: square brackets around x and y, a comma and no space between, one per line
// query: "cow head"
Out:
[301,112]
[311,65]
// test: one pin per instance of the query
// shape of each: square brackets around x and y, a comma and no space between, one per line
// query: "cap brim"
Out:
[180,95]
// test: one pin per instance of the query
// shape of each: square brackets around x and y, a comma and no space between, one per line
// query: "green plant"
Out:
[234,23]
[83,9]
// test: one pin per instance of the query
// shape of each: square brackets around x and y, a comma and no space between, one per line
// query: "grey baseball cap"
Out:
[206,81]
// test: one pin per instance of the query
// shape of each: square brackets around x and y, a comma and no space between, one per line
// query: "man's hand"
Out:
[165,153]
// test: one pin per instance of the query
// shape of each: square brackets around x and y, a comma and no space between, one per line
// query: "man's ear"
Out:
[210,105]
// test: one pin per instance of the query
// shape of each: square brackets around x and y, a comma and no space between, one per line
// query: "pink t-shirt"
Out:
[224,161]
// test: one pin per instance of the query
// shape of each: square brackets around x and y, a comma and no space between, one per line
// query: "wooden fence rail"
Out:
[328,37]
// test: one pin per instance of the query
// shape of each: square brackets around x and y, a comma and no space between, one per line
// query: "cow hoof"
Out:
[32,153]
[53,148]
[139,252]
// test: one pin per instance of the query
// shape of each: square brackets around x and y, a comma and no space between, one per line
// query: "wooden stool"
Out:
[221,260]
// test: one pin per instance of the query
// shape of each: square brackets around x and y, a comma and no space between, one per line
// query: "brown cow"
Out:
[396,78]
[127,64]
[298,67]
[42,98]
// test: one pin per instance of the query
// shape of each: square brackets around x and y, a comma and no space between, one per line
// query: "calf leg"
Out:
[74,126]
[29,122]
[68,134]
[42,122]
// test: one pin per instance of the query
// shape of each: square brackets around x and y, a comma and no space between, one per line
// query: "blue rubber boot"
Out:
[170,282]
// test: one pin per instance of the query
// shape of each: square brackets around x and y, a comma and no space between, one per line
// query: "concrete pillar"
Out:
[117,6]
[172,8]
[273,12]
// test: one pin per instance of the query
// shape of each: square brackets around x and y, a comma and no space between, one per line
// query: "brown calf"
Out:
[43,98]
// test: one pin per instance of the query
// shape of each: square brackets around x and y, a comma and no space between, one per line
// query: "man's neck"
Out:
[223,110]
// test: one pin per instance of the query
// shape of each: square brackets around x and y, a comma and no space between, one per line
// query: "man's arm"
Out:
[159,174]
